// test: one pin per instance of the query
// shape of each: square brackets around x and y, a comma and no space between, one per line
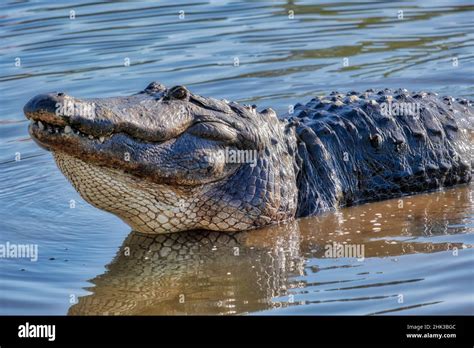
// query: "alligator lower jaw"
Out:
[148,208]
[114,151]
[120,193]
[86,147]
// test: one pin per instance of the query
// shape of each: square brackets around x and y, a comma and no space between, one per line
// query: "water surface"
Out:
[418,256]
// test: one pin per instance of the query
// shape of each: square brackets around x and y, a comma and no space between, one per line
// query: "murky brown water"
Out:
[408,254]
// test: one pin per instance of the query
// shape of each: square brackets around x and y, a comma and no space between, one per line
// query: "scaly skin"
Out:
[349,152]
[154,158]
[206,272]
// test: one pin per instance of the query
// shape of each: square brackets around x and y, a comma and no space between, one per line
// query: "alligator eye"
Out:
[178,92]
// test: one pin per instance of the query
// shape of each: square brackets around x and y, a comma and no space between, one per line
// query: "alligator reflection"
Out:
[221,273]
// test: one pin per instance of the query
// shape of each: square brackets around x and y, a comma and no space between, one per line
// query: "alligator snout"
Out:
[141,116]
[46,107]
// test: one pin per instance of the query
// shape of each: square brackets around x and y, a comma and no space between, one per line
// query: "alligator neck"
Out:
[316,168]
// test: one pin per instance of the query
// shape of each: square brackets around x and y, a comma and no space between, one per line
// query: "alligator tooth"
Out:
[67,130]
[40,125]
[91,137]
[101,139]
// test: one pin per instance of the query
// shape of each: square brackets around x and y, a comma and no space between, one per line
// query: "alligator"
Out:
[168,160]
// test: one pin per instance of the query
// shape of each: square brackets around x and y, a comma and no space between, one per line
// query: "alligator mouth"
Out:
[99,150]
[89,128]
[55,130]
[43,131]
[91,140]
[161,161]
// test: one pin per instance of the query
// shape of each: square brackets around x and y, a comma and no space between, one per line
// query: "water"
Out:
[418,253]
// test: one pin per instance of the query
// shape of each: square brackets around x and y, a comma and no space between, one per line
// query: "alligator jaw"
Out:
[96,150]
[105,133]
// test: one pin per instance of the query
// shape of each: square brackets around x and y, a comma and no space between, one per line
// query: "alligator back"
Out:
[362,147]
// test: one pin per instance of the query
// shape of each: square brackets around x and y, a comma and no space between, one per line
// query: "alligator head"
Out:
[167,160]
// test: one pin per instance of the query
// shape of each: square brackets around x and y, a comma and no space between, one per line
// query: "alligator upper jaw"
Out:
[59,122]
[54,128]
[141,116]
[44,107]
[52,124]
